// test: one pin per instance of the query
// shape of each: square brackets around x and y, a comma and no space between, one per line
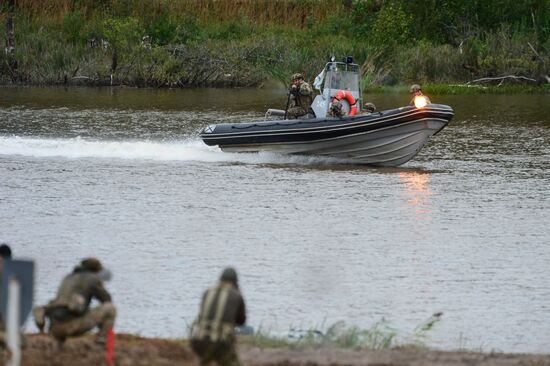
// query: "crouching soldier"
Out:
[69,313]
[213,335]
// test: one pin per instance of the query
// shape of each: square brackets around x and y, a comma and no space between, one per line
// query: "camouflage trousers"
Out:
[222,353]
[102,317]
[295,112]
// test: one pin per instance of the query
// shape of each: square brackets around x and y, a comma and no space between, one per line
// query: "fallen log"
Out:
[469,86]
[501,79]
[81,77]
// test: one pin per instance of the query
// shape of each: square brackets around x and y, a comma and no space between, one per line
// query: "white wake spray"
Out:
[185,150]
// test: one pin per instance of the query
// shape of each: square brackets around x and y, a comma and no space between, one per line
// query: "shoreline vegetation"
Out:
[470,46]
[339,344]
[42,350]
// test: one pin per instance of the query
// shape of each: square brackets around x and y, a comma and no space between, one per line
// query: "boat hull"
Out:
[388,138]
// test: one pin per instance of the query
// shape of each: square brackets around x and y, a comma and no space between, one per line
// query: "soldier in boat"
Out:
[336,109]
[301,97]
[416,91]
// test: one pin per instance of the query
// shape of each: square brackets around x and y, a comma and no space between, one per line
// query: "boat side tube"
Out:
[297,131]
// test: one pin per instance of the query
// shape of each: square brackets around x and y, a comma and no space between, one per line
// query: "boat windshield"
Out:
[341,76]
[337,76]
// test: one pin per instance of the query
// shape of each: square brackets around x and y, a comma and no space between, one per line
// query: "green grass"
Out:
[339,335]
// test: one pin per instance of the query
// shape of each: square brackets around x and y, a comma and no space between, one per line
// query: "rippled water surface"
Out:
[121,174]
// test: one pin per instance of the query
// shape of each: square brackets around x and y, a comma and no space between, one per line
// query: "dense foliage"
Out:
[242,42]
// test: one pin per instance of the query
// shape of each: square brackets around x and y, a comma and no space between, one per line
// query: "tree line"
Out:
[223,42]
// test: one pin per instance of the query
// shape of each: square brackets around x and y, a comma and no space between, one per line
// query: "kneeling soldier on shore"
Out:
[213,336]
[70,314]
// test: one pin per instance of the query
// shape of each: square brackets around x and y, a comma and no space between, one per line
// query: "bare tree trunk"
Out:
[10,41]
[114,63]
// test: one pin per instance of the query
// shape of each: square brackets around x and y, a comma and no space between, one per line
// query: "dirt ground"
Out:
[41,350]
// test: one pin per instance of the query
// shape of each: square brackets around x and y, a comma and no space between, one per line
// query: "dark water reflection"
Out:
[120,174]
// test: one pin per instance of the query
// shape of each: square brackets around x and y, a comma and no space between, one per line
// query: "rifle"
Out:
[287,103]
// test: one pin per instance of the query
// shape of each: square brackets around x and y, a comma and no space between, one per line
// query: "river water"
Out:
[120,174]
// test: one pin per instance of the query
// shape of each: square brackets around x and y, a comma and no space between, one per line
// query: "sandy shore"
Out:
[41,350]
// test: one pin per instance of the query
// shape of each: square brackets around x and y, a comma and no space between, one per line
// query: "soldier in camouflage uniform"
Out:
[213,337]
[416,91]
[70,314]
[369,108]
[336,110]
[301,97]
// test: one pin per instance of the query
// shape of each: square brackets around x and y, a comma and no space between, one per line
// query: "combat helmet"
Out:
[297,76]
[91,264]
[415,88]
[5,251]
[370,107]
[229,275]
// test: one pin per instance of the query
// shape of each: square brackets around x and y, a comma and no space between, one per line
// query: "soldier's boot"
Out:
[60,342]
[23,340]
[106,314]
[5,355]
[100,339]
[229,357]
[2,339]
[39,314]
